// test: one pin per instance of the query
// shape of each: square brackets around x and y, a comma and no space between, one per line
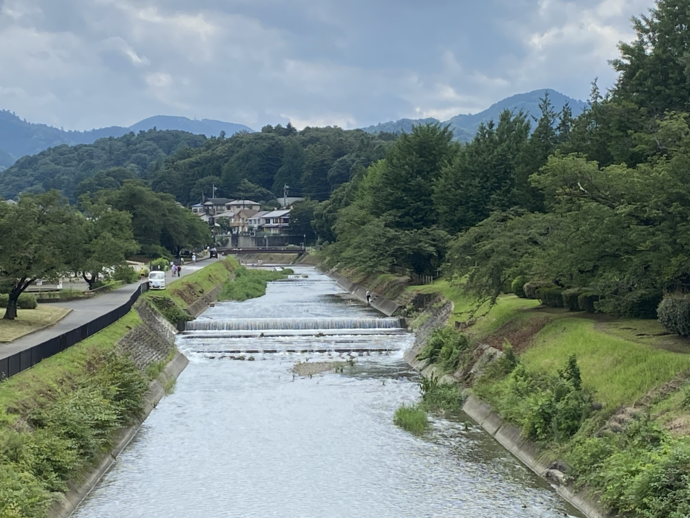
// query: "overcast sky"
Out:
[92,63]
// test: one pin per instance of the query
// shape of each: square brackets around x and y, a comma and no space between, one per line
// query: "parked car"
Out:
[213,252]
[157,280]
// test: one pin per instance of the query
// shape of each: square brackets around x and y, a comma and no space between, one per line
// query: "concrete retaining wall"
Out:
[382,304]
[204,302]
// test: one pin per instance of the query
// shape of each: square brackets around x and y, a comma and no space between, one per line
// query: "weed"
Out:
[411,418]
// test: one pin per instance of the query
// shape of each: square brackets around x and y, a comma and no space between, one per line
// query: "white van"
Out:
[157,280]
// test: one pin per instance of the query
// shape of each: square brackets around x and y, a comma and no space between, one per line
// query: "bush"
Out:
[570,299]
[411,418]
[518,286]
[551,296]
[641,304]
[674,314]
[438,396]
[160,264]
[530,288]
[446,348]
[25,301]
[586,302]
[125,274]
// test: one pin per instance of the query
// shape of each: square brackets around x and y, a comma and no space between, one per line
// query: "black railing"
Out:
[29,357]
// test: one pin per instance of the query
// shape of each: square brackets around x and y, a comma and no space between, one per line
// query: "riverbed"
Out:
[244,436]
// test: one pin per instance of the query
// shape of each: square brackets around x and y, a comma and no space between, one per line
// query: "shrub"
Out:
[446,348]
[641,304]
[125,274]
[160,264]
[438,396]
[530,288]
[25,301]
[518,286]
[551,296]
[674,314]
[586,302]
[570,299]
[411,418]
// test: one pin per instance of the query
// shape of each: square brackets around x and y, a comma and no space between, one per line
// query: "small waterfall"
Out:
[271,324]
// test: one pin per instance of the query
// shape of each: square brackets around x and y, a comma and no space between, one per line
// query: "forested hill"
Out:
[465,126]
[65,167]
[19,137]
[312,162]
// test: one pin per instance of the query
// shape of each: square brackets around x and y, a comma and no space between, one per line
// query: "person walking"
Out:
[368,298]
[193,258]
[179,270]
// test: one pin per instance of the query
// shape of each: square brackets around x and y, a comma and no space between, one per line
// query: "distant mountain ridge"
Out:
[19,137]
[465,126]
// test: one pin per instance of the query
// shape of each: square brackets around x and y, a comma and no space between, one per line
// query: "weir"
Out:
[272,324]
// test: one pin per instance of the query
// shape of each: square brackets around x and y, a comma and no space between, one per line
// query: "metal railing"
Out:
[22,360]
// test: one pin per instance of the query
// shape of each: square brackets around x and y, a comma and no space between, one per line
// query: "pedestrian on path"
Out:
[174,269]
[368,298]
[193,258]
[179,269]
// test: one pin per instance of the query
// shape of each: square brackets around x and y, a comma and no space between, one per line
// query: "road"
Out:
[86,310]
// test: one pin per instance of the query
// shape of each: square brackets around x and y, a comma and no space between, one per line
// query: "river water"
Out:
[242,438]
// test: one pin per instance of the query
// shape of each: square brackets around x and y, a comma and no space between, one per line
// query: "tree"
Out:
[108,240]
[40,235]
[301,217]
[655,68]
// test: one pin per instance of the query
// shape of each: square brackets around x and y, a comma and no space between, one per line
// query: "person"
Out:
[173,269]
[193,258]
[368,297]
[179,269]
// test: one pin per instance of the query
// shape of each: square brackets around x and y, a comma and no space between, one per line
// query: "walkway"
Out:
[86,310]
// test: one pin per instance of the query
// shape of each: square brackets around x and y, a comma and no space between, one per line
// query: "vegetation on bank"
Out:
[437,397]
[250,283]
[179,294]
[609,397]
[30,320]
[61,415]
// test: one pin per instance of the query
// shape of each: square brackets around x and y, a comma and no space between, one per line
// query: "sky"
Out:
[84,64]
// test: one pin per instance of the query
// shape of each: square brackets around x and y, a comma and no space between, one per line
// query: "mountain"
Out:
[19,137]
[465,126]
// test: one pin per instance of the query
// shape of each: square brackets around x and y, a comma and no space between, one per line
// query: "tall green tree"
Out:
[40,238]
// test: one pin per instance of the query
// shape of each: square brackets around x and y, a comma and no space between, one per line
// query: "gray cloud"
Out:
[90,63]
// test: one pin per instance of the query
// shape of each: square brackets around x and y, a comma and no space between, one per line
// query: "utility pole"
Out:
[214,192]
[285,193]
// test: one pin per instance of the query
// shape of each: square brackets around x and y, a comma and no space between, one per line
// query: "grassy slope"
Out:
[620,359]
[28,388]
[30,320]
[186,290]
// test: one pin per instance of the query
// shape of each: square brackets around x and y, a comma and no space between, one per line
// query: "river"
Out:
[242,438]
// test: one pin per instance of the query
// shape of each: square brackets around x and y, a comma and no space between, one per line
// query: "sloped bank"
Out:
[435,312]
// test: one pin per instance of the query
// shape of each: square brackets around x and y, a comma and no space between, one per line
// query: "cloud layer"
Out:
[91,63]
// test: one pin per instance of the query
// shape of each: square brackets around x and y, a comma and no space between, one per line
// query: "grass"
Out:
[29,321]
[28,387]
[153,370]
[619,370]
[411,418]
[250,284]
[507,308]
[187,290]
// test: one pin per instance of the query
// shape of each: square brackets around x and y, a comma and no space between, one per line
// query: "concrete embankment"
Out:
[435,315]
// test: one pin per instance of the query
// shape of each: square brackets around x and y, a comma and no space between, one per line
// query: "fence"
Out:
[29,357]
[415,279]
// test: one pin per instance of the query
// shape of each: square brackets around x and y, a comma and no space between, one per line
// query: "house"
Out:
[256,221]
[215,205]
[238,205]
[276,222]
[239,222]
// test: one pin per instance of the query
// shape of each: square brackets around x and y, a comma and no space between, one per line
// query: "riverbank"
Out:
[64,421]
[634,379]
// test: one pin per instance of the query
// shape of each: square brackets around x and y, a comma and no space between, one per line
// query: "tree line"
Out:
[44,237]
[599,203]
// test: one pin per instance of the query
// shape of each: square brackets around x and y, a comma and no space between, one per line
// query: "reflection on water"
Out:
[247,439]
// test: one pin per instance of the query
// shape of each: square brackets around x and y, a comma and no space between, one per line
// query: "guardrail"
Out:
[22,360]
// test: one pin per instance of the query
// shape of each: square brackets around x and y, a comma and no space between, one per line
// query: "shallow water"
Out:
[248,439]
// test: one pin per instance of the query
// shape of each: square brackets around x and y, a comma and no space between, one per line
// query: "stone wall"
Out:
[152,341]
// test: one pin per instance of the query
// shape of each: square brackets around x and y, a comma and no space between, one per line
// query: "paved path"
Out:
[86,310]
